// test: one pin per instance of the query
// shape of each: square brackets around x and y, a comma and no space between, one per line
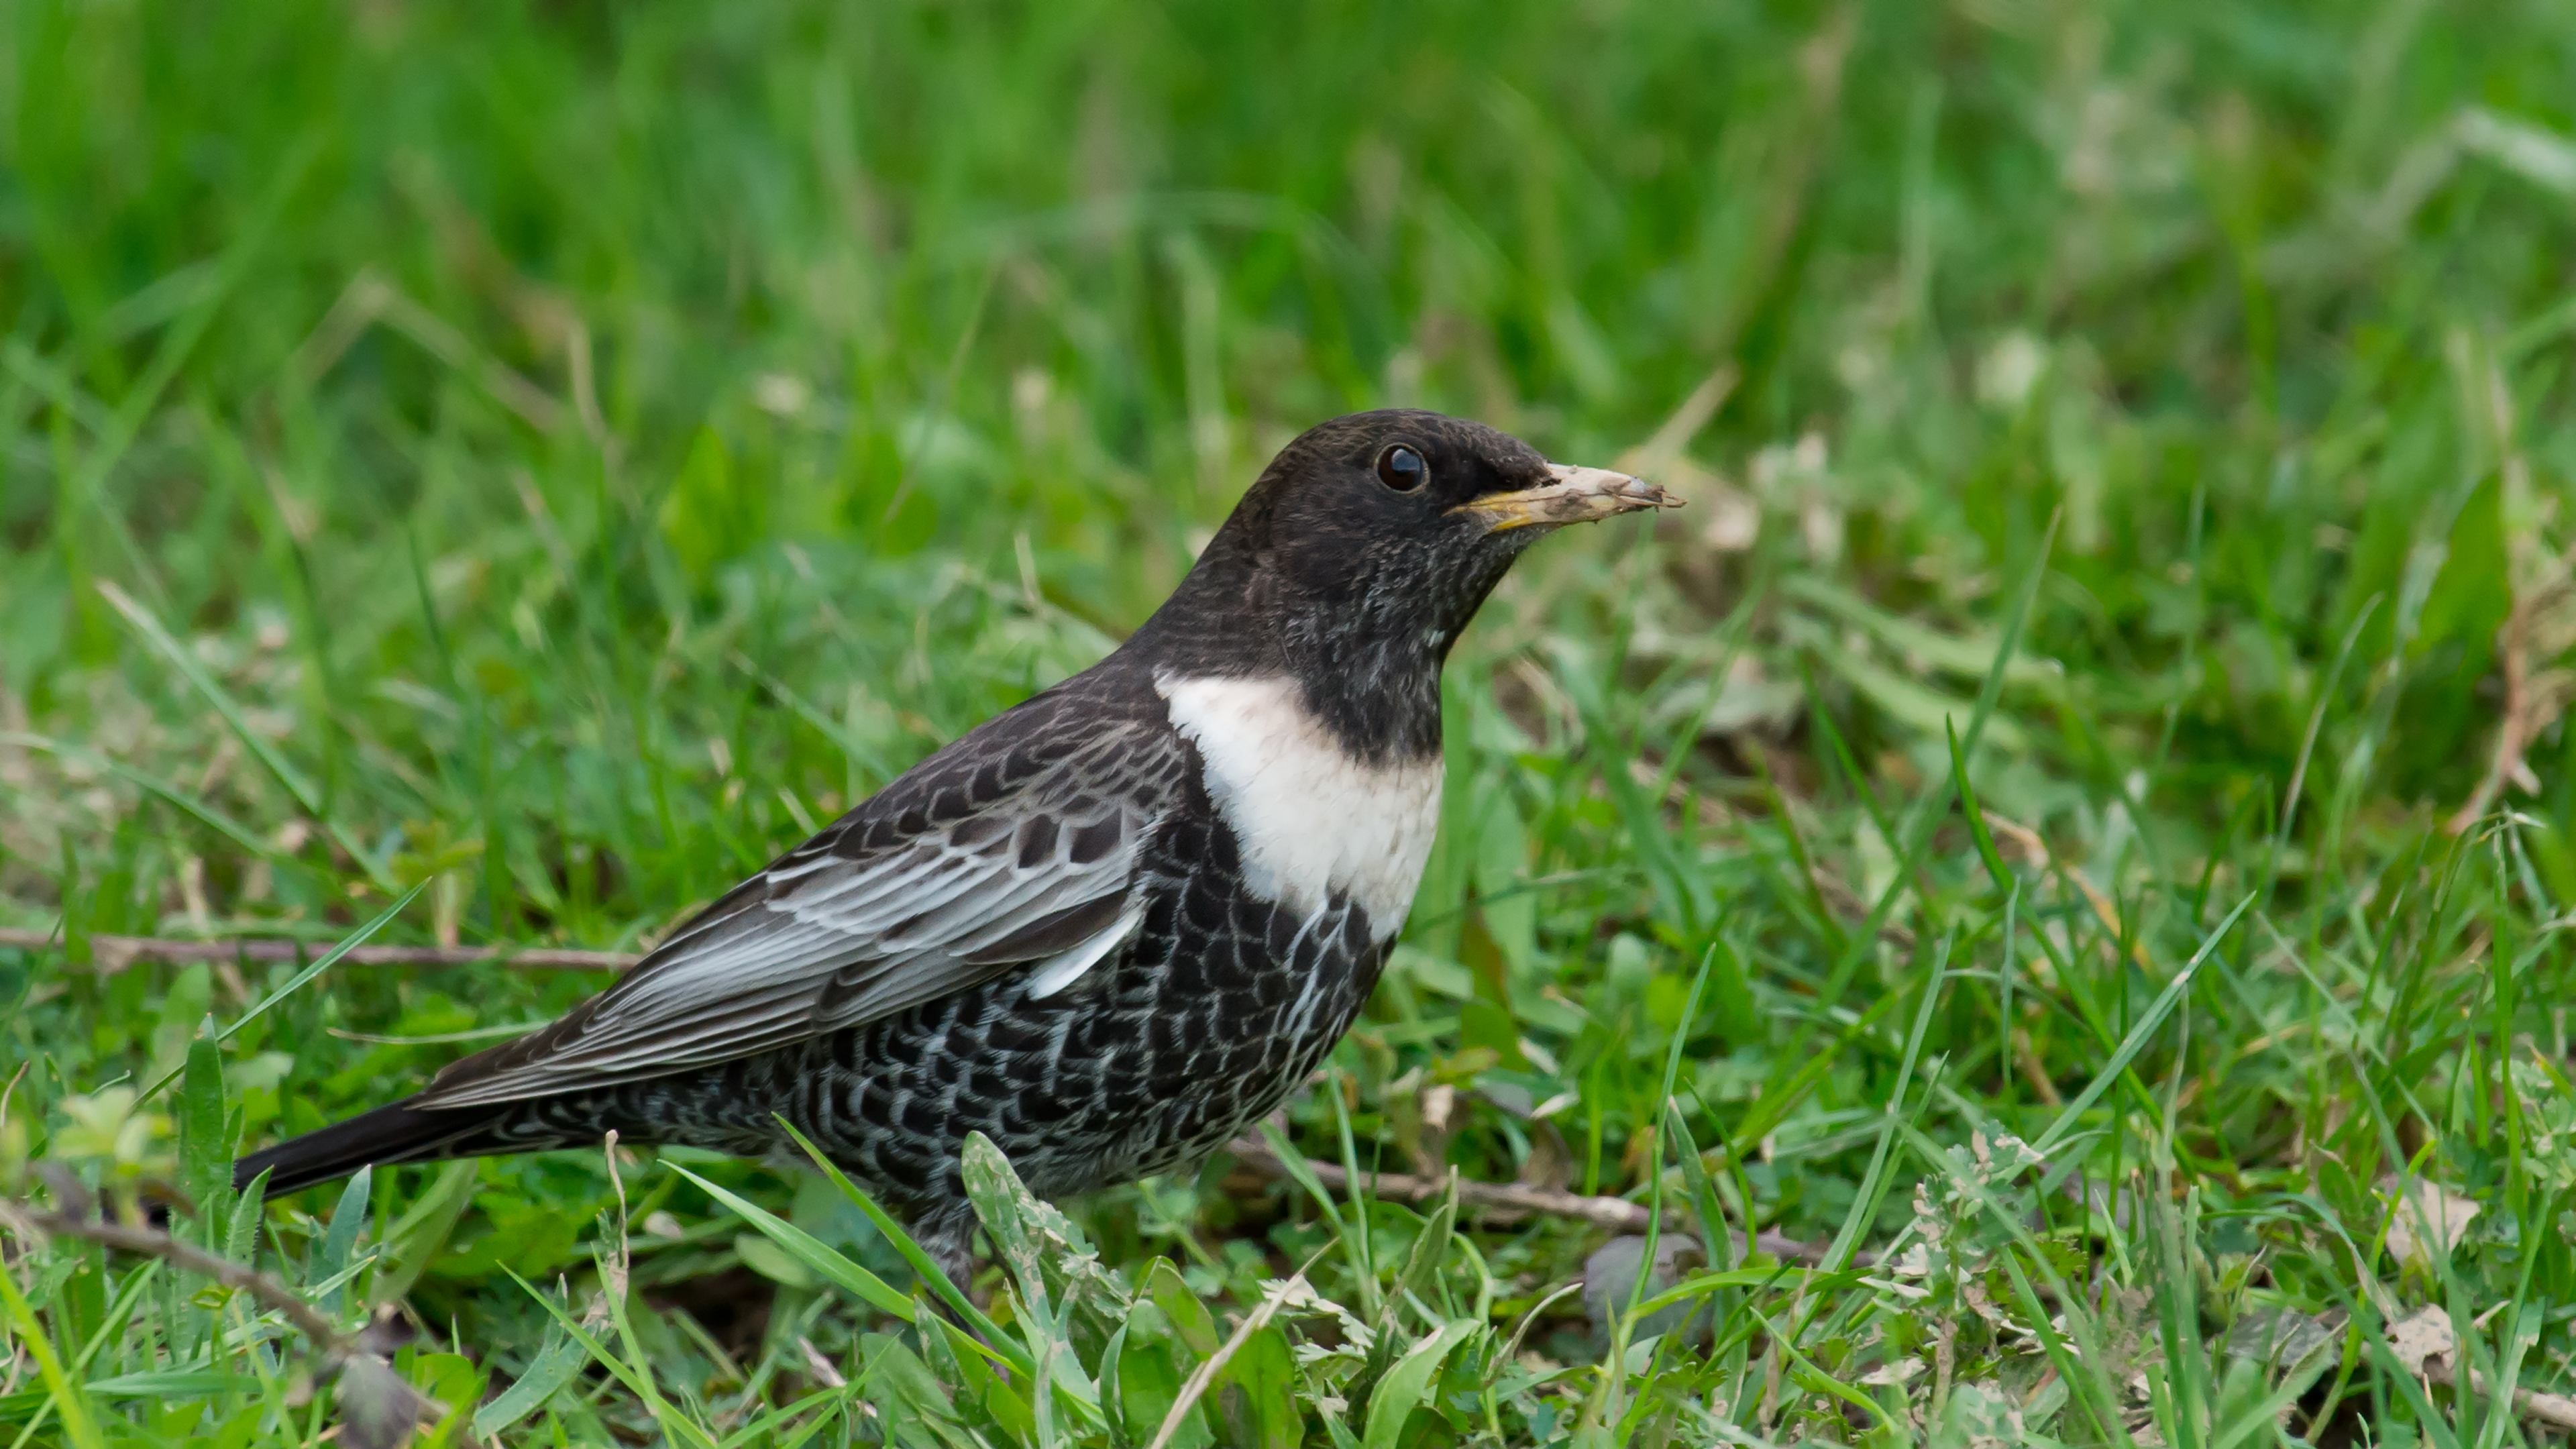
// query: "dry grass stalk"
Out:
[114,953]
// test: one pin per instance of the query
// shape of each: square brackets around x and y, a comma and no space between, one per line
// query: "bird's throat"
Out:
[1380,698]
[1315,823]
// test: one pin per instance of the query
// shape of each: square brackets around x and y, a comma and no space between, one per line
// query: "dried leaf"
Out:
[2428,1213]
[1896,1372]
[2426,1334]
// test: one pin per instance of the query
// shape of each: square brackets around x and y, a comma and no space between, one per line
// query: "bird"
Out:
[1111,926]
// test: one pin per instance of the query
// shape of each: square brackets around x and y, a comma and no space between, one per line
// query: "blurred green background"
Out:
[632,335]
[562,452]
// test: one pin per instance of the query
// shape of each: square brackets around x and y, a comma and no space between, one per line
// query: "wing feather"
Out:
[1049,935]
[916,894]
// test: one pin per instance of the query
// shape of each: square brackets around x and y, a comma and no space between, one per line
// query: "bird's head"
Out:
[1366,547]
[1405,520]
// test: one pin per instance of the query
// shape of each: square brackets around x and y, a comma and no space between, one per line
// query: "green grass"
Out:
[552,456]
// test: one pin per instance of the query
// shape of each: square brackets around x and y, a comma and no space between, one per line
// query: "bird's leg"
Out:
[947,1234]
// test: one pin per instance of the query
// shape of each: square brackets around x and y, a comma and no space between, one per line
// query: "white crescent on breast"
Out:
[1310,820]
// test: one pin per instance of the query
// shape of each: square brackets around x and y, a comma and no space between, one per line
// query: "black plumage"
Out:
[1109,927]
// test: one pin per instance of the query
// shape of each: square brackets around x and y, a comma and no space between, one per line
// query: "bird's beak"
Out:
[1571,495]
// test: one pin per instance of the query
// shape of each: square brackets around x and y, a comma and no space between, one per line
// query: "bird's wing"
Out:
[1017,844]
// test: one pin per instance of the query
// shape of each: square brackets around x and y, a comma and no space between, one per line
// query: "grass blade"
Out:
[1873,1182]
[70,1402]
[185,662]
[557,1362]
[2136,1041]
[1408,1384]
[994,1340]
[321,963]
[809,1250]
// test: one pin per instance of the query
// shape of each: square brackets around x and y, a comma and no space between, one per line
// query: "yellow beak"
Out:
[1572,495]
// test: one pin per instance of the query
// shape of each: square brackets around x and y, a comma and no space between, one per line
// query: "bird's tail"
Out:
[398,1133]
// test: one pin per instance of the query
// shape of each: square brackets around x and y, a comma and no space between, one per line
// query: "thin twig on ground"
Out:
[336,1348]
[114,953]
[153,1243]
[2556,1410]
[1499,1199]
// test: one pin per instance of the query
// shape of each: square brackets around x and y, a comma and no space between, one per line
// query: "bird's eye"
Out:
[1402,469]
